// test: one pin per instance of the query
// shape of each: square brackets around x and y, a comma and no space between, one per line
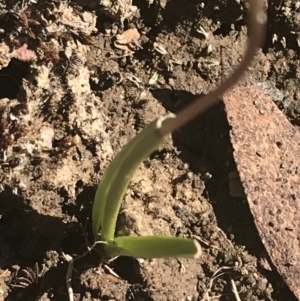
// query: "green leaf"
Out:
[153,247]
[115,181]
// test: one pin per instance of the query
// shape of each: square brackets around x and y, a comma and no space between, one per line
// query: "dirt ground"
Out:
[74,89]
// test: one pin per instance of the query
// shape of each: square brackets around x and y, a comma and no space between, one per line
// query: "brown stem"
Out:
[257,25]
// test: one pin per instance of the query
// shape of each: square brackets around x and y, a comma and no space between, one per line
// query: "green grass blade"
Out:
[115,181]
[101,197]
[154,247]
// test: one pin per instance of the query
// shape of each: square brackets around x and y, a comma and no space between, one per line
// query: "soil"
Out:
[74,90]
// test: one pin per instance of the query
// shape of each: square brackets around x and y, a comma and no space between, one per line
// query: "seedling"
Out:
[116,179]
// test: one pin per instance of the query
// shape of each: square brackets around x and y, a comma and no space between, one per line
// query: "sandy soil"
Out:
[74,89]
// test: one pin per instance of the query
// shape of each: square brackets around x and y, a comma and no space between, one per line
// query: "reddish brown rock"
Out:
[267,154]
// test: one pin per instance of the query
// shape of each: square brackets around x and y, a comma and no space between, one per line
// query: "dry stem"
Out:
[257,25]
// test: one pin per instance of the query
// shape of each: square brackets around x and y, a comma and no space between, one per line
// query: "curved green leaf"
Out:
[153,247]
[119,173]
